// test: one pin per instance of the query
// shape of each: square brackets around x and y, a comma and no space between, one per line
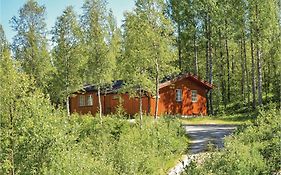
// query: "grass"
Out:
[234,119]
[171,164]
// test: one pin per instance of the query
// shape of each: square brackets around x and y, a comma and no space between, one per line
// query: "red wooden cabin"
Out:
[183,95]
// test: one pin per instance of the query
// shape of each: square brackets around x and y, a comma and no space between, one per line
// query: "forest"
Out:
[232,44]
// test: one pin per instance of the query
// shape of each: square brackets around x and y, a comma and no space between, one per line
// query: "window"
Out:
[81,100]
[115,97]
[178,95]
[89,100]
[155,96]
[194,95]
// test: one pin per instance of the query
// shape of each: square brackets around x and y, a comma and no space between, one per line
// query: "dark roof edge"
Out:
[190,76]
[117,85]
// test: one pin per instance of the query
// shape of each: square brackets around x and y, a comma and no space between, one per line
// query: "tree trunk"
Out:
[157,91]
[179,46]
[140,105]
[207,59]
[253,71]
[243,72]
[259,66]
[67,106]
[259,61]
[12,170]
[207,47]
[210,65]
[222,71]
[100,106]
[267,76]
[246,70]
[228,69]
[195,54]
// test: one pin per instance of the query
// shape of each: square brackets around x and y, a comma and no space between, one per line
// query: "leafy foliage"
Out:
[68,57]
[30,43]
[43,142]
[100,44]
[234,43]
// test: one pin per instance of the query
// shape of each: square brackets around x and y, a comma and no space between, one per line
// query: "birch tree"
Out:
[100,64]
[67,56]
[3,41]
[30,43]
[135,59]
[160,41]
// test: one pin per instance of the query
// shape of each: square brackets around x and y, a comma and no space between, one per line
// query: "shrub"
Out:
[46,143]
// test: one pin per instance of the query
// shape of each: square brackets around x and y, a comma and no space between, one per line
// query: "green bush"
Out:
[44,142]
[254,150]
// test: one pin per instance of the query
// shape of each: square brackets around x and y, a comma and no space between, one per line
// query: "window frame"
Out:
[178,95]
[90,96]
[81,101]
[194,97]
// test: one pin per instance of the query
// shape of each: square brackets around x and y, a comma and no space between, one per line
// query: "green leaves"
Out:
[148,42]
[22,107]
[30,43]
[46,143]
[98,45]
[68,58]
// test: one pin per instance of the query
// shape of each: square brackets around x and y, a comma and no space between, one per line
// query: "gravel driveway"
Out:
[201,135]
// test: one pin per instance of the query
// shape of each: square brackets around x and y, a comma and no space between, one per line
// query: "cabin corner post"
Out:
[207,101]
[100,105]
[68,105]
[140,105]
[157,98]
[148,105]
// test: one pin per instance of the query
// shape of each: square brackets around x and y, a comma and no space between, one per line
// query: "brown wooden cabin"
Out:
[184,95]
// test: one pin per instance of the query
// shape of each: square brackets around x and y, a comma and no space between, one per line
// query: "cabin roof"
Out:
[189,76]
[117,85]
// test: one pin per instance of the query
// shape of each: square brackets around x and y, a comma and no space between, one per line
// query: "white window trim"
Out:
[91,102]
[178,95]
[81,100]
[193,97]
[155,96]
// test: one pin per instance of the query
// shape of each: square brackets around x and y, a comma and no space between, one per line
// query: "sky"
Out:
[54,8]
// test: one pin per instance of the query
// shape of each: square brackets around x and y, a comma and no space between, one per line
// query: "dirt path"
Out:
[201,135]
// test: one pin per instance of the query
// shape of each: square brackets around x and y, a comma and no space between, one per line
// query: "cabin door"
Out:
[107,104]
